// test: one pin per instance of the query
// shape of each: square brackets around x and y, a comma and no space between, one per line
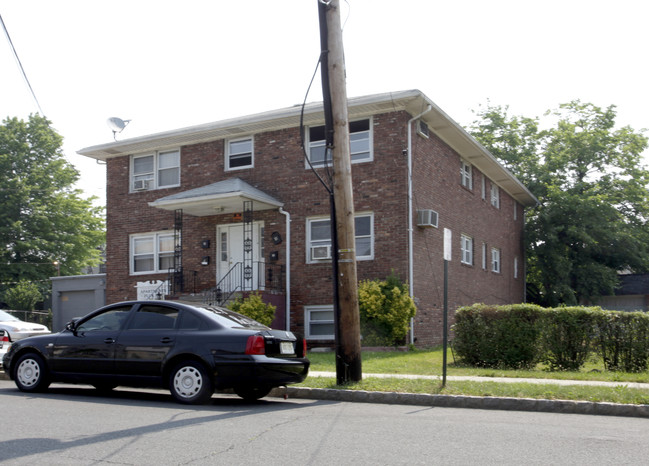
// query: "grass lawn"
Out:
[429,362]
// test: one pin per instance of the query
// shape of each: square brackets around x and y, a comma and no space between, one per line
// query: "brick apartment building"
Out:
[234,205]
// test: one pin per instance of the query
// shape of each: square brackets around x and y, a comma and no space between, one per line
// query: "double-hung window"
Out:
[239,154]
[466,248]
[466,175]
[319,238]
[495,260]
[360,143]
[152,171]
[152,252]
[319,322]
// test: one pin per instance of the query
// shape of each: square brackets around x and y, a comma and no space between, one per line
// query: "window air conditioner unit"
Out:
[422,129]
[427,218]
[140,185]
[321,252]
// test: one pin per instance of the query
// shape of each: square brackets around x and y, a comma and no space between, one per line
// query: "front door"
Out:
[230,261]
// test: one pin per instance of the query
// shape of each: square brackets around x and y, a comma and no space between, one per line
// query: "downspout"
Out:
[288,268]
[411,266]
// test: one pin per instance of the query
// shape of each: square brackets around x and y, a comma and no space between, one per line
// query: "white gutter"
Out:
[411,266]
[288,268]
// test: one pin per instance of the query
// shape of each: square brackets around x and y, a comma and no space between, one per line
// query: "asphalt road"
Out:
[75,425]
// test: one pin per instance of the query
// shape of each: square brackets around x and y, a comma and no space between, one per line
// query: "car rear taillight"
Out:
[256,345]
[304,347]
[4,339]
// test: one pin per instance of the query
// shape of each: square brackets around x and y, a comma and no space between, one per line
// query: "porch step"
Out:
[199,298]
[192,298]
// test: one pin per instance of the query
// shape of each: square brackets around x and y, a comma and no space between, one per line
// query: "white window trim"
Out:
[155,236]
[154,183]
[466,247]
[307,144]
[496,260]
[484,187]
[309,220]
[252,153]
[307,322]
[495,195]
[466,175]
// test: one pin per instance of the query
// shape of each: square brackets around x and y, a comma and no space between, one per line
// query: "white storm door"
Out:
[230,256]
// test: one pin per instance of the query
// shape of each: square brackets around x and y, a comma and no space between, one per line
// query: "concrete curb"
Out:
[457,401]
[469,402]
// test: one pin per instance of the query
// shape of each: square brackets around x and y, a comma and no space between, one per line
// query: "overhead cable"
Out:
[20,65]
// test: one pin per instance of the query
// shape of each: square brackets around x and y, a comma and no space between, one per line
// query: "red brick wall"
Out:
[379,187]
[436,172]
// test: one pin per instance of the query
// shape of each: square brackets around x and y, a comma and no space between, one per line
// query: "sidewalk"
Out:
[496,379]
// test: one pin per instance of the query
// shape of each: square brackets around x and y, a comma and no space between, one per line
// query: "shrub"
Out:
[255,308]
[497,336]
[23,296]
[385,309]
[567,336]
[623,340]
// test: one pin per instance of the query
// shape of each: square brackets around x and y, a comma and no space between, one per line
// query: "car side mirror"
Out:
[72,326]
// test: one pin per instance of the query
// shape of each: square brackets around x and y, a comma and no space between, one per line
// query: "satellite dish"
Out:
[117,125]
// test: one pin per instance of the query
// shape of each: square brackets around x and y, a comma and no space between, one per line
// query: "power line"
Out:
[20,65]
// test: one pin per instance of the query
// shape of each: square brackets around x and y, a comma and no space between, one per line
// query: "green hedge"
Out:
[567,335]
[520,336]
[623,340]
[495,336]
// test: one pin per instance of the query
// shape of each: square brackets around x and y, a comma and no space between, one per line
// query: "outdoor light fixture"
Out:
[205,260]
[276,237]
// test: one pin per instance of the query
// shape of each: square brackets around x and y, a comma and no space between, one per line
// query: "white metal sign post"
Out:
[447,257]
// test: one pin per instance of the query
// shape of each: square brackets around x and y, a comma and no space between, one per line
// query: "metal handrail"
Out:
[268,277]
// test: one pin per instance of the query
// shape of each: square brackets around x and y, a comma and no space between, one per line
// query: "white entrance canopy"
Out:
[223,197]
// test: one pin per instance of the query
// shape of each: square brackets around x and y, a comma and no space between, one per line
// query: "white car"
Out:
[16,329]
[4,344]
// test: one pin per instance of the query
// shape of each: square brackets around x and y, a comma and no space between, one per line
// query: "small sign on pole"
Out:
[448,237]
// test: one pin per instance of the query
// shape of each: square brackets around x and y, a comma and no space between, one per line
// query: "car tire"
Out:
[190,383]
[252,393]
[30,373]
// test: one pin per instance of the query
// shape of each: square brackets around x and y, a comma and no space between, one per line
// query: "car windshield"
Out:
[230,319]
[6,317]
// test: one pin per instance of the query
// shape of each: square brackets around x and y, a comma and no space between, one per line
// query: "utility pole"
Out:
[348,346]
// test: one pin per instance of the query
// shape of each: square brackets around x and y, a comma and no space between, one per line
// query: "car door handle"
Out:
[109,341]
[166,340]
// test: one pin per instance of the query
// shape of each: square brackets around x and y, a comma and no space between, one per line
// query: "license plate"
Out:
[286,347]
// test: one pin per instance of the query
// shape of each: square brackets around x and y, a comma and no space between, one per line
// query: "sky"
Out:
[166,65]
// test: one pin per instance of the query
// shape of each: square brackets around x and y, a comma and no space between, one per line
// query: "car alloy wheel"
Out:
[190,383]
[31,374]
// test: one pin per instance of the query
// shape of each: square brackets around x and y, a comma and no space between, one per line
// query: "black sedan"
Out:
[191,349]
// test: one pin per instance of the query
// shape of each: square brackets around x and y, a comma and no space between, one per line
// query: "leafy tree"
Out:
[43,219]
[591,220]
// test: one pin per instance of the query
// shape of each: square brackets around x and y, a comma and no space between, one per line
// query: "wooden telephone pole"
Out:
[348,344]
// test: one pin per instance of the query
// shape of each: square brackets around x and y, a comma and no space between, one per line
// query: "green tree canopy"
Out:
[43,219]
[591,221]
